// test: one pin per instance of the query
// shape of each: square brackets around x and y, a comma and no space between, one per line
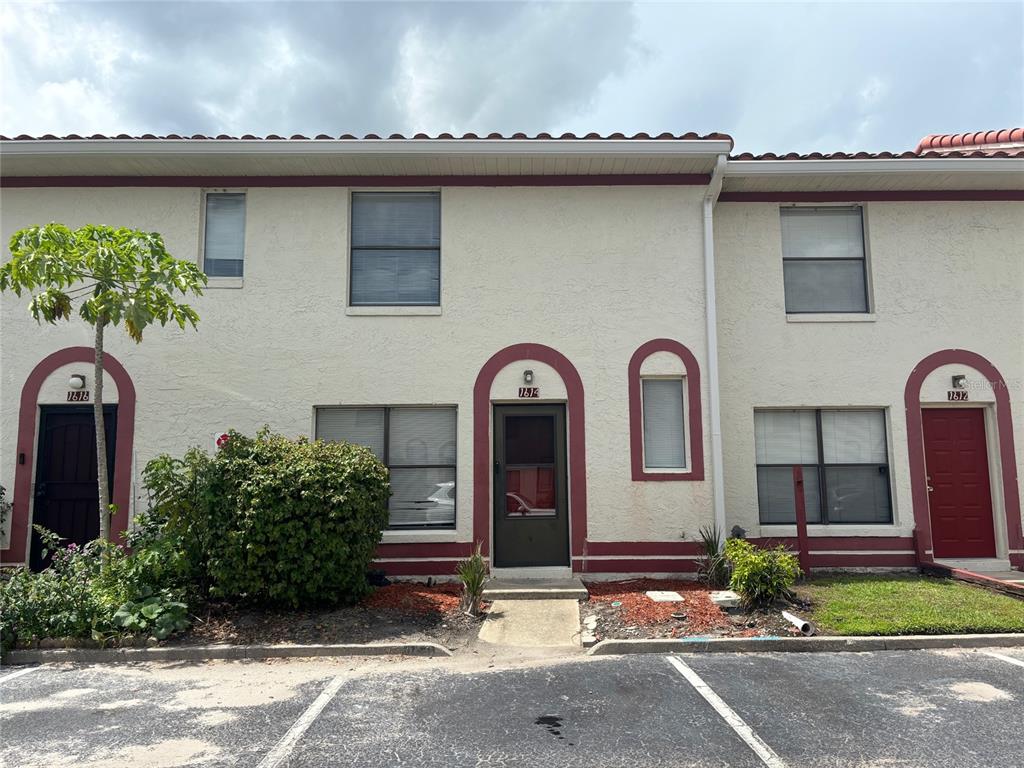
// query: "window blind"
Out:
[823,260]
[664,442]
[224,239]
[395,255]
[418,447]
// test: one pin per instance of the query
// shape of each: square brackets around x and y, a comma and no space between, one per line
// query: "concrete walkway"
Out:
[532,623]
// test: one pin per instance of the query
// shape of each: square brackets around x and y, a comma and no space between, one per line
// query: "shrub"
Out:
[473,573]
[273,520]
[712,567]
[761,576]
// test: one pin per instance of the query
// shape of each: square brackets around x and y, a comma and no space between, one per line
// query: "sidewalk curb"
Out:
[803,644]
[217,652]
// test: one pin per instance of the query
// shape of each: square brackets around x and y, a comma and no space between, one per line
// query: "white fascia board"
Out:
[391,147]
[943,165]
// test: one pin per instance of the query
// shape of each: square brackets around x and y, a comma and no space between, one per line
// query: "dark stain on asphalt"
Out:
[552,723]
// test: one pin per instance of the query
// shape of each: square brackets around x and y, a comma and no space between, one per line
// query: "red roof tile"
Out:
[986,142]
[691,136]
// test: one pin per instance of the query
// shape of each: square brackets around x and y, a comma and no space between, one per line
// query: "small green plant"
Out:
[761,576]
[158,615]
[473,573]
[713,566]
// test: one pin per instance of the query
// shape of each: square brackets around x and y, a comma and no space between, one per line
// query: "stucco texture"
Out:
[592,272]
[943,276]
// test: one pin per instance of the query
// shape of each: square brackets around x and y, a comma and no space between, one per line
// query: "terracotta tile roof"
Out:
[1008,152]
[349,137]
[987,142]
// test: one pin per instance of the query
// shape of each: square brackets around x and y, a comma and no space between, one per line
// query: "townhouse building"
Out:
[576,351]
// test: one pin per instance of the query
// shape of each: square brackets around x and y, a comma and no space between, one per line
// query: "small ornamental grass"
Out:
[761,576]
[713,565]
[473,573]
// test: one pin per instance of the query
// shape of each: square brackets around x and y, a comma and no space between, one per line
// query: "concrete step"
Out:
[536,589]
[984,565]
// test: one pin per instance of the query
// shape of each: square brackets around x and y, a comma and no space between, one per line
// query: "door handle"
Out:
[40,490]
[497,468]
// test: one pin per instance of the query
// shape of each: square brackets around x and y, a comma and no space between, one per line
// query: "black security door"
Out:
[531,511]
[66,495]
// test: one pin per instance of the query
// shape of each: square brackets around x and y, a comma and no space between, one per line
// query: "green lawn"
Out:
[908,605]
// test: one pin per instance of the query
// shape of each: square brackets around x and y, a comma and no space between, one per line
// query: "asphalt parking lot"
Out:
[911,708]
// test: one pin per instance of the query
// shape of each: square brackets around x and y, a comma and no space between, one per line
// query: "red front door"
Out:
[959,496]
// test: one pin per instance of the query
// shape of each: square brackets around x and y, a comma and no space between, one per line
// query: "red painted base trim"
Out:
[975,578]
[660,556]
[666,565]
[1017,561]
[604,180]
[17,553]
[425,549]
[417,568]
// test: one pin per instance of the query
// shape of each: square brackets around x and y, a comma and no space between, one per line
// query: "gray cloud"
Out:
[778,77]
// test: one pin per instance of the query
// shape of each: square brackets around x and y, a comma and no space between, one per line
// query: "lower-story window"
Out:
[418,446]
[845,463]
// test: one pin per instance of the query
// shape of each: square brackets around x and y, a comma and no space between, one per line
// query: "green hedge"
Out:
[272,520]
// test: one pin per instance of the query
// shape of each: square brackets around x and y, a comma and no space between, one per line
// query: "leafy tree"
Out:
[116,276]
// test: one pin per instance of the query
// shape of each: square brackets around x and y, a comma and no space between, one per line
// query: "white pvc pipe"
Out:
[711,323]
[805,627]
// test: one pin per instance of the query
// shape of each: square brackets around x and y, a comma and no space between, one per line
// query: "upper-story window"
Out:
[823,260]
[845,463]
[224,237]
[396,249]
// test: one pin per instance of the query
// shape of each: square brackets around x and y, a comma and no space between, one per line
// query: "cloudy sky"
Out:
[778,77]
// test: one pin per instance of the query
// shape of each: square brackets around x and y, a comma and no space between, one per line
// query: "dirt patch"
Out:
[624,611]
[402,612]
[981,693]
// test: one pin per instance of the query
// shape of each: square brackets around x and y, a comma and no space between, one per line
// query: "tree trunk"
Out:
[101,434]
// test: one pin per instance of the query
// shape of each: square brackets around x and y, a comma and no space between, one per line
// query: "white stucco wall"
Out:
[592,272]
[944,275]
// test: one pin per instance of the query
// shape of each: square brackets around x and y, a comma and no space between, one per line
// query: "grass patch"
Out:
[908,605]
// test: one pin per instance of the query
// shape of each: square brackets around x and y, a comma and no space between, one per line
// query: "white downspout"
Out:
[711,318]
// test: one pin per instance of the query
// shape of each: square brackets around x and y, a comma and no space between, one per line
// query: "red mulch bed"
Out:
[415,598]
[638,609]
[399,612]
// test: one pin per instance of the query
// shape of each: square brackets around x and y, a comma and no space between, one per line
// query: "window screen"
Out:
[823,260]
[418,447]
[664,442]
[845,461]
[224,239]
[396,249]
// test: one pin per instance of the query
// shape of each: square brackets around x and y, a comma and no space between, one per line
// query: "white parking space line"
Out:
[19,673]
[744,731]
[1007,659]
[284,747]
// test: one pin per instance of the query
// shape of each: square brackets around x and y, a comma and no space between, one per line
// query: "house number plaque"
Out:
[529,392]
[78,395]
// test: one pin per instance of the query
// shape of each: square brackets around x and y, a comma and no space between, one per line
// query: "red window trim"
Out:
[636,416]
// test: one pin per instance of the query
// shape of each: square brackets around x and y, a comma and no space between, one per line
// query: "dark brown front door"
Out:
[531,511]
[66,494]
[959,495]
